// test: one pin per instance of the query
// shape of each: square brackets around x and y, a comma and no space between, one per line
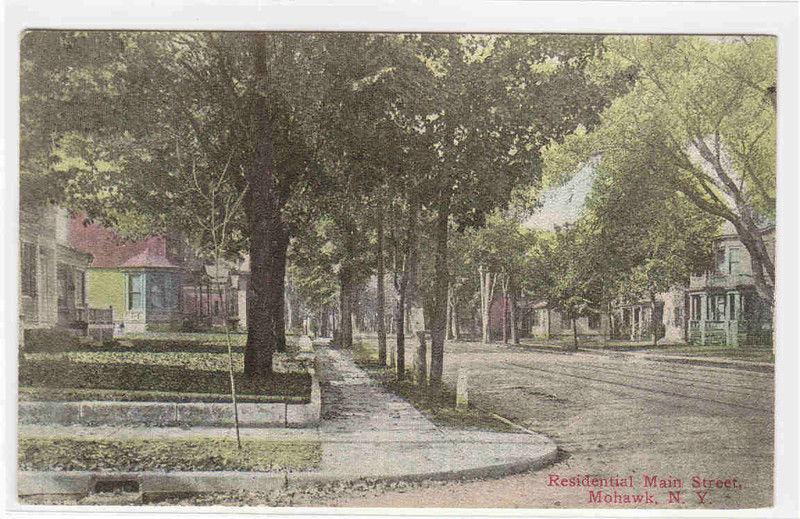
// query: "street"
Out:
[615,416]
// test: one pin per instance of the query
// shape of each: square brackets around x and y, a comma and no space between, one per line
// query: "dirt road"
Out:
[695,428]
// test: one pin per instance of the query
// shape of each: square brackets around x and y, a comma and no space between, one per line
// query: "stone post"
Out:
[462,388]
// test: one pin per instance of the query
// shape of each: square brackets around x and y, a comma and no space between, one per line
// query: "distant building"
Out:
[543,322]
[634,321]
[211,294]
[53,275]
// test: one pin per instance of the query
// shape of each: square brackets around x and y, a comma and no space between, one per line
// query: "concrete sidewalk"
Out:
[366,433]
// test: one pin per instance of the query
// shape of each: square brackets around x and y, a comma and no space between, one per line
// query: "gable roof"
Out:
[565,203]
[109,250]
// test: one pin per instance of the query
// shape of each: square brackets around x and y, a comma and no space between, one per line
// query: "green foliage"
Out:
[692,142]
[575,278]
[687,88]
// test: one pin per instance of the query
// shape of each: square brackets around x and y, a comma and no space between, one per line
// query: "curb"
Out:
[84,483]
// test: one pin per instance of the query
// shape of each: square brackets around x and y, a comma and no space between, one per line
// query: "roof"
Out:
[109,250]
[565,203]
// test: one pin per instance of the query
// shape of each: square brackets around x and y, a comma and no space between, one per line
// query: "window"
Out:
[732,306]
[594,321]
[216,307]
[135,285]
[28,280]
[716,307]
[535,318]
[720,260]
[734,255]
[155,289]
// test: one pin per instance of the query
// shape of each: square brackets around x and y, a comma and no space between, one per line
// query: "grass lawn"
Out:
[438,404]
[753,353]
[750,353]
[198,454]
[162,369]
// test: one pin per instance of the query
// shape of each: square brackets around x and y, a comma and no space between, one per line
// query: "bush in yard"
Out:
[50,340]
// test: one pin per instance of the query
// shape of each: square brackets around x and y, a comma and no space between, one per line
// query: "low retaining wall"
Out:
[278,414]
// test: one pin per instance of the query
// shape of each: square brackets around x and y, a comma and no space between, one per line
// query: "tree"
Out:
[495,101]
[701,109]
[652,237]
[575,283]
[116,109]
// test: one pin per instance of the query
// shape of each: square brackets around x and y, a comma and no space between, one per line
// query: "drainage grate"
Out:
[116,486]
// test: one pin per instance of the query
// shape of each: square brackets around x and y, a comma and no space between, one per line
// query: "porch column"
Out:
[734,299]
[703,316]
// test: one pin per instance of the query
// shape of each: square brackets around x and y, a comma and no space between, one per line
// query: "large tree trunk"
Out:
[269,237]
[323,323]
[513,312]
[574,334]
[455,330]
[441,282]
[504,286]
[381,317]
[486,288]
[400,345]
[345,310]
[404,300]
[448,328]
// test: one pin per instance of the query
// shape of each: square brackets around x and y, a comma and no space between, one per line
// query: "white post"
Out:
[462,389]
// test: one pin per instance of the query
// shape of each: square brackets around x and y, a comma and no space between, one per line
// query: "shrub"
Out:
[50,340]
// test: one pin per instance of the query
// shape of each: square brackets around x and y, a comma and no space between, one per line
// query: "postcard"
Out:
[393,269]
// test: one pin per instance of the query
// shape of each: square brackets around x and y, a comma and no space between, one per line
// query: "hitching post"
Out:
[462,390]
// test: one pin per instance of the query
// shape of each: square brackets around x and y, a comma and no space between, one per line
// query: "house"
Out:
[544,322]
[52,289]
[140,280]
[723,305]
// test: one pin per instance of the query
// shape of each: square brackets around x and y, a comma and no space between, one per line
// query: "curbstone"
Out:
[307,414]
[49,412]
[204,413]
[118,413]
[35,483]
[31,483]
[263,414]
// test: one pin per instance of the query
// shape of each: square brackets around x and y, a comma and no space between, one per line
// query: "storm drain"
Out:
[116,486]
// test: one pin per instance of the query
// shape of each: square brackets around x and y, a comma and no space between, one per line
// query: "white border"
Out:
[597,16]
